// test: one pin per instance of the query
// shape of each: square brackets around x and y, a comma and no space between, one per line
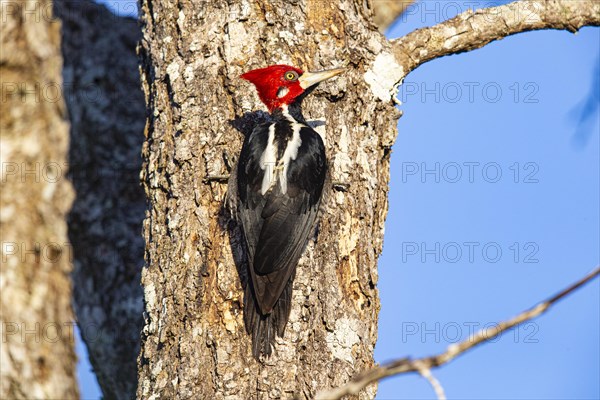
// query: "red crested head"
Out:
[280,85]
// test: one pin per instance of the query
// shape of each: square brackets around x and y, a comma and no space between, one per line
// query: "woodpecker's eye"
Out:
[291,76]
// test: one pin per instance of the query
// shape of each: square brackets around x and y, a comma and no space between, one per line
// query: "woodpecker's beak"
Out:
[308,79]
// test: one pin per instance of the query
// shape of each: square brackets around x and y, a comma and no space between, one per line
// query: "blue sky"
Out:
[512,108]
[493,207]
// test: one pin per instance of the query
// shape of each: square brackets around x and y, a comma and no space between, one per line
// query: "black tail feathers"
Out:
[263,328]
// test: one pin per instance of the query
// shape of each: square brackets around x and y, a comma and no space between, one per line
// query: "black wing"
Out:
[278,225]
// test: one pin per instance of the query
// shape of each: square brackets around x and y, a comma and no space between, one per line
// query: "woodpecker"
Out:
[276,190]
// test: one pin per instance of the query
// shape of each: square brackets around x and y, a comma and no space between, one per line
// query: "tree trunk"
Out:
[107,112]
[37,358]
[194,344]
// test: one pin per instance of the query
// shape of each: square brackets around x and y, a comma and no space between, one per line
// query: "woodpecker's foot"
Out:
[341,186]
[228,160]
[216,178]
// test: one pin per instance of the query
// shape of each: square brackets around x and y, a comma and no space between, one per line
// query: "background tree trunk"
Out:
[107,113]
[36,354]
[194,343]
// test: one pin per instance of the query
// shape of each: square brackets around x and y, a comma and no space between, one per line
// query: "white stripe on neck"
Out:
[291,151]
[274,168]
[268,159]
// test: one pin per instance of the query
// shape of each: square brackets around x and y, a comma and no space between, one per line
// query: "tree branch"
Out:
[406,365]
[386,11]
[474,29]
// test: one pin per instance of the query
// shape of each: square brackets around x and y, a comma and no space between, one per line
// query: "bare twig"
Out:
[406,365]
[474,29]
[435,384]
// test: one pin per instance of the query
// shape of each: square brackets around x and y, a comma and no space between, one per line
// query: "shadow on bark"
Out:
[107,114]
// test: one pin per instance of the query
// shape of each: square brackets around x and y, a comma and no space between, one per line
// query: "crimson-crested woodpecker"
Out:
[276,190]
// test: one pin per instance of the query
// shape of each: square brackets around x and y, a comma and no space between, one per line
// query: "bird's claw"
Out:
[341,186]
[216,178]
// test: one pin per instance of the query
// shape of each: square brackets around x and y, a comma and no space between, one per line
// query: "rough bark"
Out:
[107,113]
[37,359]
[194,344]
